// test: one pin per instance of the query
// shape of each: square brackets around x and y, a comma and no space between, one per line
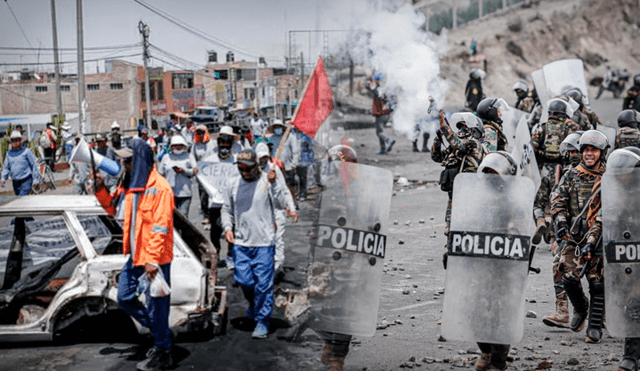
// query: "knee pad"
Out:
[596,288]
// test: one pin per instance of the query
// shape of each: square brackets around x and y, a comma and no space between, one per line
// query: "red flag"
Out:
[316,103]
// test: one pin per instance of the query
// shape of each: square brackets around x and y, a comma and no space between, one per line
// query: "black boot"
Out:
[596,312]
[425,142]
[631,354]
[415,146]
[579,302]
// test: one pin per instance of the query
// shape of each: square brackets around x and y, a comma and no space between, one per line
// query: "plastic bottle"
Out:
[143,285]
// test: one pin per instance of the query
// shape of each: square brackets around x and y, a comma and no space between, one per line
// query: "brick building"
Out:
[112,95]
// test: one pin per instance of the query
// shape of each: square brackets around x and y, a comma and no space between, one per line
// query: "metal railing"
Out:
[460,12]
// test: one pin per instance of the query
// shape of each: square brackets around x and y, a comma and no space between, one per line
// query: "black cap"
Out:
[247,157]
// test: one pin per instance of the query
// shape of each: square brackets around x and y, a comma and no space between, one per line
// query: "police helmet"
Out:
[571,143]
[594,138]
[343,153]
[520,85]
[624,158]
[628,118]
[477,73]
[501,162]
[488,109]
[577,96]
[636,79]
[559,108]
[473,123]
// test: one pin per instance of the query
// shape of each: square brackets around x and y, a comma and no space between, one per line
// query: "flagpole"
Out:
[295,113]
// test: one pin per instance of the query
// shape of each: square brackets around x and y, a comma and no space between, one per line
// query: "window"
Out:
[116,86]
[248,74]
[221,74]
[154,86]
[182,81]
[65,88]
[104,233]
[93,86]
[41,89]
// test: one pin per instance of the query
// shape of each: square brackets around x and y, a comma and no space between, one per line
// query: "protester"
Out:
[79,174]
[48,144]
[381,112]
[202,148]
[248,218]
[148,209]
[179,167]
[21,165]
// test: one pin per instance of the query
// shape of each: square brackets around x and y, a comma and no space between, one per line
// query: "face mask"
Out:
[178,151]
[278,131]
[224,153]
[575,158]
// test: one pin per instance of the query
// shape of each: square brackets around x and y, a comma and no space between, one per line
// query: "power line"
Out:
[18,22]
[72,62]
[197,32]
[124,46]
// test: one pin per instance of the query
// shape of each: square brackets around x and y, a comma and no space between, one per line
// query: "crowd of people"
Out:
[262,171]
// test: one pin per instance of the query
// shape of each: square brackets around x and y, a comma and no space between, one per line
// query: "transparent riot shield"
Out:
[541,87]
[560,76]
[491,228]
[524,154]
[349,248]
[621,241]
[610,134]
[510,120]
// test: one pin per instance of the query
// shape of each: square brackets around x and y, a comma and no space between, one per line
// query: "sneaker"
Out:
[390,145]
[260,332]
[381,152]
[157,359]
[229,264]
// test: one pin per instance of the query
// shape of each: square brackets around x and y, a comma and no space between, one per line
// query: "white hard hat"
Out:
[115,125]
[66,126]
[15,135]
[178,140]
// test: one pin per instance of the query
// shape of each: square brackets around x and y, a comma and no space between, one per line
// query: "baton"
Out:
[588,262]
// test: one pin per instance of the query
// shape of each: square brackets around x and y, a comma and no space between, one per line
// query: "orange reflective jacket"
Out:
[154,220]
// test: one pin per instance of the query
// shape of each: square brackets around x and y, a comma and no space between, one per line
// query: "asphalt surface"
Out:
[410,303]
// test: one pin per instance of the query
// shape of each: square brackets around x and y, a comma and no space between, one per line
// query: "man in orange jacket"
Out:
[145,200]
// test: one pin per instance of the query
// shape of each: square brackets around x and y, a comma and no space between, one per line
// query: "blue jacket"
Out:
[20,164]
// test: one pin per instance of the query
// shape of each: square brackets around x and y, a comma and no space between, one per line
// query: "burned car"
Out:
[60,259]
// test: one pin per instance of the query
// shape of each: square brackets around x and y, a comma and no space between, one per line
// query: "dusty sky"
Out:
[256,27]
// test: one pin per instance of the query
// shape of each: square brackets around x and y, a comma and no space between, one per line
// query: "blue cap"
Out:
[378,76]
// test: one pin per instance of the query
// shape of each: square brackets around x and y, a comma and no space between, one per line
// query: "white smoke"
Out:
[393,41]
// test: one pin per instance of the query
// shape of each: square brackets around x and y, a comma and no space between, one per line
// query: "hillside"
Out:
[516,43]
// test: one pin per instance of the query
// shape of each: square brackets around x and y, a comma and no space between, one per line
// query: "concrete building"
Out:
[113,95]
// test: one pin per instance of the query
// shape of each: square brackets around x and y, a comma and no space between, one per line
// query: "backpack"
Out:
[45,141]
[555,132]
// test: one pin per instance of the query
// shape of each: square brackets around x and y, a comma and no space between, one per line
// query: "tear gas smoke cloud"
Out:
[392,41]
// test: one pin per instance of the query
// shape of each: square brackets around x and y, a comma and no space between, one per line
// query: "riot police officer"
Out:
[570,150]
[525,100]
[628,134]
[632,98]
[463,153]
[569,205]
[490,114]
[546,139]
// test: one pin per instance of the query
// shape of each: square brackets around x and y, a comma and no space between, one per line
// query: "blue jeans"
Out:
[254,272]
[182,204]
[23,186]
[381,120]
[155,316]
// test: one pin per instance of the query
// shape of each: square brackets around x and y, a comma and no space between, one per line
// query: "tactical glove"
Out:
[587,250]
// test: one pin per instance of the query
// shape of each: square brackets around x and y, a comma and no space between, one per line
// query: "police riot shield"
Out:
[488,262]
[213,177]
[610,133]
[524,154]
[560,76]
[621,241]
[349,248]
[510,120]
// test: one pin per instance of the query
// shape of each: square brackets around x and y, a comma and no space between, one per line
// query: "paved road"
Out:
[413,267]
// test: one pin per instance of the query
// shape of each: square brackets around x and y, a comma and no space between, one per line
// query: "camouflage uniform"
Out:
[628,137]
[525,104]
[461,146]
[593,118]
[568,201]
[494,137]
[536,114]
[549,161]
[583,121]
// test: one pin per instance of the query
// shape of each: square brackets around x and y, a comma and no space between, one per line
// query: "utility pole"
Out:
[144,31]
[82,105]
[55,58]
